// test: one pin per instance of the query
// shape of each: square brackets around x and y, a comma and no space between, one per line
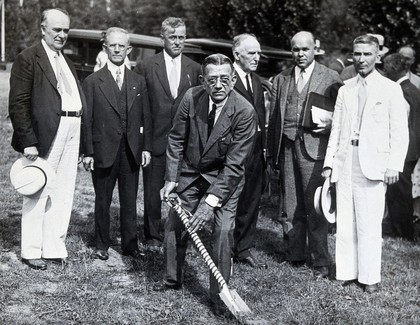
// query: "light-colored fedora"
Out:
[325,201]
[28,177]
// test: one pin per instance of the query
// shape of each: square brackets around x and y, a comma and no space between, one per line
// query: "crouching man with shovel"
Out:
[211,138]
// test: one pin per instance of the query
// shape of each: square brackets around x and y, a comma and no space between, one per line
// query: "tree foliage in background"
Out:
[397,20]
[334,22]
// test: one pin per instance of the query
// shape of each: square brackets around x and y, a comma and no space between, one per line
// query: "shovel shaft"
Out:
[185,216]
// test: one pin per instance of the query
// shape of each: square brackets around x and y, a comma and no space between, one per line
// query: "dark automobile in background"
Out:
[83,45]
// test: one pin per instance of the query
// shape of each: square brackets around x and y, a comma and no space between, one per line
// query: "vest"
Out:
[121,96]
[294,109]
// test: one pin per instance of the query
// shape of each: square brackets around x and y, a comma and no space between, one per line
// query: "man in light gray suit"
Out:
[299,152]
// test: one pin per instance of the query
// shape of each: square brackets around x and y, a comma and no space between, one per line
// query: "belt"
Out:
[355,142]
[71,113]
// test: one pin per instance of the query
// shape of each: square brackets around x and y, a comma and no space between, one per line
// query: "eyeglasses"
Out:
[212,81]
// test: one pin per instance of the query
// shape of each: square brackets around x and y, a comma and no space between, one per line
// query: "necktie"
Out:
[173,79]
[118,79]
[210,120]
[301,81]
[248,86]
[62,83]
[361,97]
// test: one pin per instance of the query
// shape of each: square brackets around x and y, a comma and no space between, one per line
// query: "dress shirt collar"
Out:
[242,74]
[308,71]
[219,107]
[369,78]
[399,81]
[50,53]
[169,58]
[113,69]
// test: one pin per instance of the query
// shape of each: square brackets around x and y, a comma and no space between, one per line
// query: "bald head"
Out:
[55,24]
[409,54]
[303,49]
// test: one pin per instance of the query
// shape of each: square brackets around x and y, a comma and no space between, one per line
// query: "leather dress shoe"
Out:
[36,264]
[321,272]
[163,286]
[58,260]
[371,288]
[101,254]
[250,261]
[135,253]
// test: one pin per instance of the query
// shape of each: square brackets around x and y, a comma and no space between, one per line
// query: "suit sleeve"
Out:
[274,115]
[21,87]
[333,141]
[239,149]
[147,118]
[177,139]
[88,90]
[398,124]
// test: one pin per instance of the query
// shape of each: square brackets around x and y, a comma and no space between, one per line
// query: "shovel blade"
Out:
[234,303]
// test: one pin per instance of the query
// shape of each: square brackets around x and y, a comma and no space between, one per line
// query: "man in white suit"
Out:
[366,151]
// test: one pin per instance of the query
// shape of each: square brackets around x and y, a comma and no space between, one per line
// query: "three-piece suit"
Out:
[163,108]
[36,110]
[358,169]
[118,130]
[203,165]
[299,154]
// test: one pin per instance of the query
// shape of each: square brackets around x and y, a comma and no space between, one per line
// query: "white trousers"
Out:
[360,209]
[46,216]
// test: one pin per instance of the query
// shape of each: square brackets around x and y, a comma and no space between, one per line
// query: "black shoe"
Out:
[101,254]
[321,271]
[36,264]
[60,261]
[250,261]
[136,254]
[163,286]
[371,288]
[296,263]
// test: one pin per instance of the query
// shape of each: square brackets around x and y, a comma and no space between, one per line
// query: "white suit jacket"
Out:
[383,139]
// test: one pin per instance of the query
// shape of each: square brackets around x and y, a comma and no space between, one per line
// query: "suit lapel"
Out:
[223,123]
[106,87]
[162,75]
[185,81]
[284,91]
[240,87]
[131,89]
[316,79]
[256,89]
[202,106]
[45,65]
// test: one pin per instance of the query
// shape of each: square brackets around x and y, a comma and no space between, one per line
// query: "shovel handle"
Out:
[185,216]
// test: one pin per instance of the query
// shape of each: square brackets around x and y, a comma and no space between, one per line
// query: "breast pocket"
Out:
[379,113]
[224,143]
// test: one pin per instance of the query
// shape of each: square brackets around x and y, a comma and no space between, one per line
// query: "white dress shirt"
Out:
[242,75]
[306,75]
[169,63]
[113,69]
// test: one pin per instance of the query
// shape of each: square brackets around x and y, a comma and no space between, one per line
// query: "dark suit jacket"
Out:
[104,129]
[221,158]
[323,81]
[412,96]
[34,100]
[257,101]
[162,106]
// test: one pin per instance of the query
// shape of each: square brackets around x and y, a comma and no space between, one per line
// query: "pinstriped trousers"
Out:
[360,209]
[46,216]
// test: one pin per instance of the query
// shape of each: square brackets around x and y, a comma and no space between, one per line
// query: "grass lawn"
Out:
[119,291]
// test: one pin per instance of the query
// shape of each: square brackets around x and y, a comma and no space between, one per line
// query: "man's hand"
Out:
[88,163]
[391,176]
[145,158]
[167,189]
[203,215]
[322,128]
[326,172]
[31,152]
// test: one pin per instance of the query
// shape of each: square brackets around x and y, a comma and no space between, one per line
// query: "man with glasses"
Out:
[118,141]
[212,136]
[168,75]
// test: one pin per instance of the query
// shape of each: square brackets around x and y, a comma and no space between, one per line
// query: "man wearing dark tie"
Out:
[118,141]
[212,137]
[46,107]
[168,75]
[246,51]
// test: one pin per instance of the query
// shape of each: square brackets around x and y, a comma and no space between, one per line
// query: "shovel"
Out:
[231,299]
